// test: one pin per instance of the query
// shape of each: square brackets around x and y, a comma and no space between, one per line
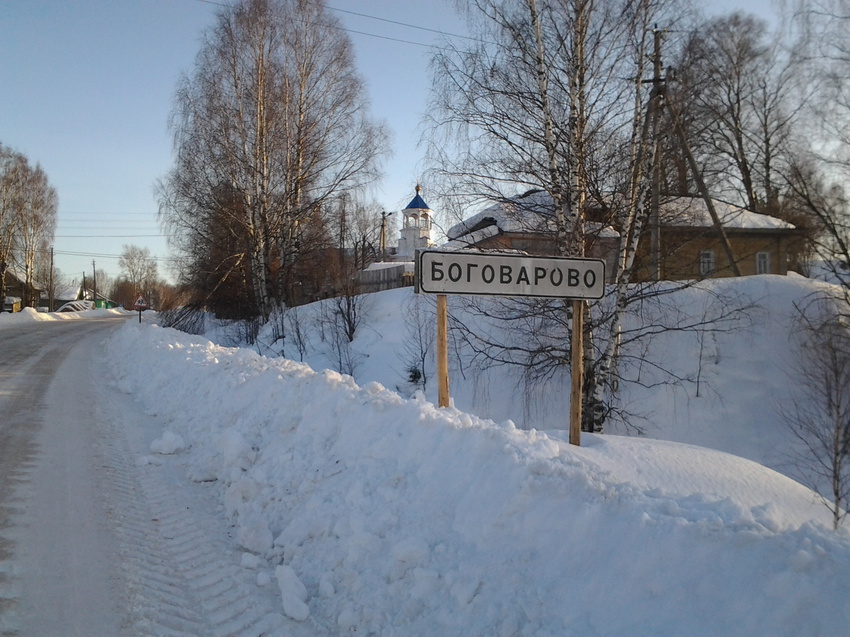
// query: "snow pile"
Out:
[722,387]
[375,514]
[168,443]
[28,315]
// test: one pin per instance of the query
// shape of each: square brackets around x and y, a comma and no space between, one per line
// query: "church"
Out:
[415,233]
[396,268]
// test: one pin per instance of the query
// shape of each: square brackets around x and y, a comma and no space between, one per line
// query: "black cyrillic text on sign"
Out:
[509,275]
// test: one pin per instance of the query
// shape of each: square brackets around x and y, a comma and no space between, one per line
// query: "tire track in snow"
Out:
[183,569]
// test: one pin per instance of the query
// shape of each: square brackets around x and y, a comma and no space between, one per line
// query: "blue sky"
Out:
[88,85]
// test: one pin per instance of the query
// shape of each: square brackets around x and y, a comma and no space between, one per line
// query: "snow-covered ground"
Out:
[367,510]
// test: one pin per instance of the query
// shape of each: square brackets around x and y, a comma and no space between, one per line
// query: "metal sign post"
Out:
[466,272]
[140,305]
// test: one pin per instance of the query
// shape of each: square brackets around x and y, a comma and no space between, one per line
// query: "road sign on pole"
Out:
[140,305]
[466,272]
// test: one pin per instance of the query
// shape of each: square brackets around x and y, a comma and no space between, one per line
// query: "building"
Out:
[690,245]
[415,233]
[396,269]
[16,290]
[527,224]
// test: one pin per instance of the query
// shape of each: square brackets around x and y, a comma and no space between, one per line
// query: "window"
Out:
[706,262]
[763,263]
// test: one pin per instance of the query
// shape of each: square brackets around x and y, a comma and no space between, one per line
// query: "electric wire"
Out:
[380,19]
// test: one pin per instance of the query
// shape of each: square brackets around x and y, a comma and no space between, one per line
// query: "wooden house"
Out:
[16,290]
[690,245]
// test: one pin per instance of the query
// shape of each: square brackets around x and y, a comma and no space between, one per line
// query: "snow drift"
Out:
[375,514]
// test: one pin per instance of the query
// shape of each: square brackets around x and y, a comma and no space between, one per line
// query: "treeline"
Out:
[274,148]
[28,206]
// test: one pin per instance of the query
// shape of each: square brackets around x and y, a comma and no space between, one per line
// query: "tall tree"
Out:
[819,177]
[140,269]
[28,206]
[739,95]
[270,125]
[817,409]
[547,99]
[36,228]
[12,176]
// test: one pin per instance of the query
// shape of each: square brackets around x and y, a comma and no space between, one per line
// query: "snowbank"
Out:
[381,515]
[28,315]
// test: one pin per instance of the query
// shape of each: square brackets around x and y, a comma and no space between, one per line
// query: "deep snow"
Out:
[373,512]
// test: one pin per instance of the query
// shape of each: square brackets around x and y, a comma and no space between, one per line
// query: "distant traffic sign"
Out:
[140,303]
[464,272]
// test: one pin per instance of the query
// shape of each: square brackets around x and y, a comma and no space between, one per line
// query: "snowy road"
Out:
[92,540]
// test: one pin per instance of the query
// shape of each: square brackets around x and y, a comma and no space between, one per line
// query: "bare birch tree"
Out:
[549,99]
[270,125]
[818,411]
[12,175]
[417,351]
[36,228]
[741,93]
[819,178]
[28,207]
[140,269]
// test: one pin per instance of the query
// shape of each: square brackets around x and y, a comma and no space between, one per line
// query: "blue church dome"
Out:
[417,203]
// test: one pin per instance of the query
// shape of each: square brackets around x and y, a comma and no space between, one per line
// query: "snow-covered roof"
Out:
[472,238]
[528,213]
[382,265]
[21,277]
[693,212]
[68,294]
[409,266]
[533,212]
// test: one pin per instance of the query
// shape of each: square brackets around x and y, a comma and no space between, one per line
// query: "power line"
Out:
[95,213]
[110,236]
[403,24]
[96,255]
[375,35]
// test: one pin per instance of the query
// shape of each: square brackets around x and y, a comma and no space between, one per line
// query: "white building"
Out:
[415,231]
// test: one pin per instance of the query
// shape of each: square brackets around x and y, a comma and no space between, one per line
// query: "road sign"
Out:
[465,272]
[140,302]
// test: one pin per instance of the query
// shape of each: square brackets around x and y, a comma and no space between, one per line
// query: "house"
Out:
[76,292]
[690,245]
[16,290]
[527,224]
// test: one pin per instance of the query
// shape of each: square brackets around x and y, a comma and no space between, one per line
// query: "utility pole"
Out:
[382,237]
[93,283]
[51,292]
[703,191]
[655,221]
[655,192]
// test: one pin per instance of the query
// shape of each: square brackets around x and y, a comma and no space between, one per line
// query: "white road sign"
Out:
[462,272]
